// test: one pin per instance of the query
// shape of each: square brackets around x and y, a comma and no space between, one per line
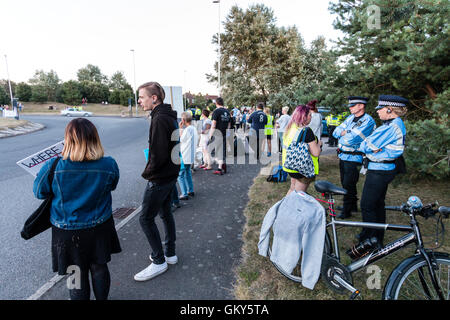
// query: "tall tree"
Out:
[257,57]
[48,82]
[23,91]
[119,82]
[4,98]
[407,53]
[91,73]
[70,92]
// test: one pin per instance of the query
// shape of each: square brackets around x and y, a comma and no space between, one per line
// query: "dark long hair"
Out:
[312,105]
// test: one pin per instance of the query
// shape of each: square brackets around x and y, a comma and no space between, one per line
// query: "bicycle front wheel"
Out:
[412,279]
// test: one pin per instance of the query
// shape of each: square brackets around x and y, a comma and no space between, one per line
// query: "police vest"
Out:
[333,120]
[268,128]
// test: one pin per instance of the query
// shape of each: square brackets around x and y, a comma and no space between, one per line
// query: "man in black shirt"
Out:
[258,121]
[221,120]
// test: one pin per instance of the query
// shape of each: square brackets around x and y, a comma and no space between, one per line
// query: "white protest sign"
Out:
[9,113]
[34,163]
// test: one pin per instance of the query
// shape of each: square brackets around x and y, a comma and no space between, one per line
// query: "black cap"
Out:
[393,101]
[354,100]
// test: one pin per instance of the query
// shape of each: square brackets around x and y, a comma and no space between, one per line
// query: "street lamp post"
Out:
[135,92]
[219,58]
[9,82]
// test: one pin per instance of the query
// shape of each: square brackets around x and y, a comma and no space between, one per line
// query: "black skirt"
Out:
[84,247]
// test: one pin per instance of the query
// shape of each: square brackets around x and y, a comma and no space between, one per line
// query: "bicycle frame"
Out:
[413,236]
[379,253]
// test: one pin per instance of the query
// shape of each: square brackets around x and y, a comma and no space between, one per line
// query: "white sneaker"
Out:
[169,260]
[151,271]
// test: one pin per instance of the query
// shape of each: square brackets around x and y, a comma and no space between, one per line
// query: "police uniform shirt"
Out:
[357,129]
[390,138]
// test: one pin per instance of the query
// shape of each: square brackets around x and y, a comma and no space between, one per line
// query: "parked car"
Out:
[324,112]
[72,112]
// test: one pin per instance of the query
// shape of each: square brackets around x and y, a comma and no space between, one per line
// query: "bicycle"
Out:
[426,274]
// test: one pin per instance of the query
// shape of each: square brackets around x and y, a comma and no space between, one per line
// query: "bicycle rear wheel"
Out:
[296,273]
[411,280]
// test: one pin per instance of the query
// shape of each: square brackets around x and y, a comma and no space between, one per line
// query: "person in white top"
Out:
[204,137]
[188,141]
[316,119]
[281,124]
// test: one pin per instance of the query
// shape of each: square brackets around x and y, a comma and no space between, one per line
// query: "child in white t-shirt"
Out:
[188,141]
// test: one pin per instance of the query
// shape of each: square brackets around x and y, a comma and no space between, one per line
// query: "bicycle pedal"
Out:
[355,295]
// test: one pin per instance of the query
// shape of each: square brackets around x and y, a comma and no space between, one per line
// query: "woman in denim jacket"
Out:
[83,232]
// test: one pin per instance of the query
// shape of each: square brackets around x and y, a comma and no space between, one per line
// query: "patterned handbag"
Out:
[298,157]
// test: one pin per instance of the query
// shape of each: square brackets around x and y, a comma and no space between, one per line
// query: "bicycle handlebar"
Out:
[393,208]
[445,211]
[426,211]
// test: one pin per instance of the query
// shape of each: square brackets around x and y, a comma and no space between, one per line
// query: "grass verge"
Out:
[257,278]
[11,123]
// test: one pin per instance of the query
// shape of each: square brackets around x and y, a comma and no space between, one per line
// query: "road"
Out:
[26,265]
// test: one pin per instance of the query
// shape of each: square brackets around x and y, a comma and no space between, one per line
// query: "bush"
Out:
[24,92]
[70,92]
[39,93]
[427,148]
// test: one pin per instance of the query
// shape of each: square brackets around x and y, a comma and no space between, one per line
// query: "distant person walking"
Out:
[258,121]
[83,232]
[268,130]
[316,119]
[221,120]
[162,173]
[204,137]
[189,141]
[281,125]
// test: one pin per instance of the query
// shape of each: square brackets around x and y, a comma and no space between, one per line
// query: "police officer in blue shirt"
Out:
[384,151]
[351,133]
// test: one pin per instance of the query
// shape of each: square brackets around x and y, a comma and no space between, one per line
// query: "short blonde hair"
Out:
[81,141]
[400,111]
[187,116]
[285,109]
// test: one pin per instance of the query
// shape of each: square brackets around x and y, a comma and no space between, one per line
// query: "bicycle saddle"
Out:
[323,186]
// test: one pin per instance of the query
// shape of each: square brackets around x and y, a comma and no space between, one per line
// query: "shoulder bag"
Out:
[298,157]
[39,221]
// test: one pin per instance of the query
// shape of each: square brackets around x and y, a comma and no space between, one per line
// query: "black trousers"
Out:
[349,178]
[372,201]
[158,199]
[332,141]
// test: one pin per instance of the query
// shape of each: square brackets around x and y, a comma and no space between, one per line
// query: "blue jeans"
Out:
[175,199]
[185,180]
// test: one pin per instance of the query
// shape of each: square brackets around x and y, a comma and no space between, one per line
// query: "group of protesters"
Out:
[83,232]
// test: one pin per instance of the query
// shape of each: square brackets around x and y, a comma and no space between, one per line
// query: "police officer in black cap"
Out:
[351,133]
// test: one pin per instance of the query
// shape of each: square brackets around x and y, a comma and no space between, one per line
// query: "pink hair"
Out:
[299,116]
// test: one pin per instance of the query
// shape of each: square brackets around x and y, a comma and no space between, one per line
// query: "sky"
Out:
[172,39]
